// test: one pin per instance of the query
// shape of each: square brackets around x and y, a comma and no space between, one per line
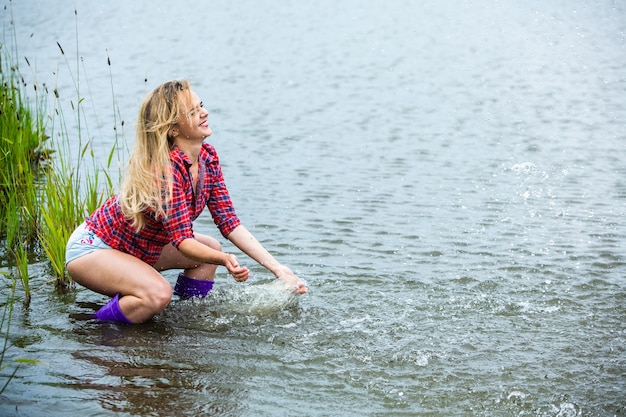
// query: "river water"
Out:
[449,178]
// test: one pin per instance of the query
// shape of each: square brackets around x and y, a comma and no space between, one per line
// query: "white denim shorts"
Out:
[82,242]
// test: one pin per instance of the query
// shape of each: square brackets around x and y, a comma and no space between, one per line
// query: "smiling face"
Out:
[193,123]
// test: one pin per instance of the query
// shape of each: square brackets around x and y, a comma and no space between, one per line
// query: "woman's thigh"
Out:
[109,272]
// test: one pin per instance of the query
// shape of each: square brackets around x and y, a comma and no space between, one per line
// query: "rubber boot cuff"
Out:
[189,287]
[111,311]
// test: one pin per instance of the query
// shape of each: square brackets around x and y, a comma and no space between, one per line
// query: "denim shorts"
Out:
[82,242]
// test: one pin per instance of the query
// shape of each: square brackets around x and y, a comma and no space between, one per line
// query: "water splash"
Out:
[233,306]
[259,300]
[524,167]
[566,409]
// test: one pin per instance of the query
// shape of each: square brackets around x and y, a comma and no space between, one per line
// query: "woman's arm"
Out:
[197,251]
[244,240]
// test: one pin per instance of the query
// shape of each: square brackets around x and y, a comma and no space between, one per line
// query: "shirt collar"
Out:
[179,157]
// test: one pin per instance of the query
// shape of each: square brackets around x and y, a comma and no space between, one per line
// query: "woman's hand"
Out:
[291,280]
[244,240]
[240,273]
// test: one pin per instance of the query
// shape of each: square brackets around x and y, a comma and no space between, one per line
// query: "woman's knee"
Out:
[159,295]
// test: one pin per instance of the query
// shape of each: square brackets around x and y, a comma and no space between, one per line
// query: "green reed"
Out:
[21,156]
[49,181]
[72,190]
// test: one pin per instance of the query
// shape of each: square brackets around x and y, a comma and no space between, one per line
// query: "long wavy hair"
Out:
[147,185]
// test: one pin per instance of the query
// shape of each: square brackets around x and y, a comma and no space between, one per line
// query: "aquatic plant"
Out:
[72,189]
[22,152]
[43,194]
[47,183]
[20,144]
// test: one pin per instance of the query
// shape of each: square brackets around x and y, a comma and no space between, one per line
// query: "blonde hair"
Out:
[147,185]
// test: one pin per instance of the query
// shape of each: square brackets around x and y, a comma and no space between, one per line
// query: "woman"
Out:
[172,175]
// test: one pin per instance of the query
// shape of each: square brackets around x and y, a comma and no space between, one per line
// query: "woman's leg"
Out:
[171,258]
[197,278]
[144,293]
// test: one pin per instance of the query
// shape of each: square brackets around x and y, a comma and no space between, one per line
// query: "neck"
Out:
[191,149]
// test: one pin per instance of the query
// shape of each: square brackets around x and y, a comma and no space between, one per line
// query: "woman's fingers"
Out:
[240,273]
[291,280]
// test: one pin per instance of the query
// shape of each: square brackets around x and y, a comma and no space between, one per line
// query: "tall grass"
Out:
[47,183]
[72,189]
[50,178]
[21,154]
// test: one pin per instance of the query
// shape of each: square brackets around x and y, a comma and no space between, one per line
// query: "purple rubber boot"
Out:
[189,287]
[111,311]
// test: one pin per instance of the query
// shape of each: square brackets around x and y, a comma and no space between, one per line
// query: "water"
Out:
[448,177]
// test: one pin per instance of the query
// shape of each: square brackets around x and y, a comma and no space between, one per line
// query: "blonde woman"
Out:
[172,176]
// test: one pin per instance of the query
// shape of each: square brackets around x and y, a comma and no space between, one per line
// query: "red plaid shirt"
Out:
[109,223]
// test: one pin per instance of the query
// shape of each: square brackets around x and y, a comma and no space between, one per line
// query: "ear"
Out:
[174,132]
